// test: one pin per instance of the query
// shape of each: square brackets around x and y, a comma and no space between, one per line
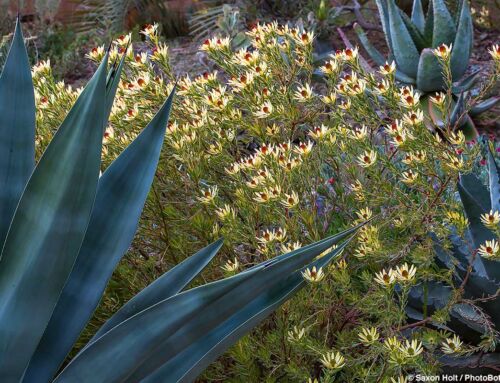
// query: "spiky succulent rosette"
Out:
[473,263]
[412,42]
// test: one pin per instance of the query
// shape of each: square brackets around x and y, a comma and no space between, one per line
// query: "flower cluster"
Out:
[259,152]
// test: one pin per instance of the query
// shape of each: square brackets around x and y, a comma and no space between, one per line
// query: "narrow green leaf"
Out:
[429,24]
[429,77]
[493,267]
[121,193]
[48,228]
[444,29]
[464,362]
[466,83]
[478,231]
[112,83]
[457,111]
[188,364]
[372,51]
[17,129]
[417,15]
[169,284]
[494,178]
[134,345]
[473,210]
[404,49]
[377,56]
[416,35]
[474,186]
[126,347]
[462,44]
[384,19]
[190,336]
[483,106]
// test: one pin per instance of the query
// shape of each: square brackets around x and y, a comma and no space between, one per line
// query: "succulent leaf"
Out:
[429,23]
[475,187]
[417,15]
[457,111]
[112,82]
[444,29]
[218,301]
[462,44]
[464,362]
[404,49]
[121,194]
[372,51]
[466,83]
[17,129]
[494,179]
[384,20]
[189,363]
[48,228]
[377,56]
[429,76]
[416,35]
[483,106]
[473,211]
[478,231]
[169,284]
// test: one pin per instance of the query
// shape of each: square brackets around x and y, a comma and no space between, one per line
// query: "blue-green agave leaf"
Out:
[444,29]
[494,178]
[429,24]
[121,193]
[474,186]
[334,239]
[400,76]
[468,127]
[372,51]
[126,347]
[493,267]
[466,83]
[169,284]
[464,362]
[128,344]
[188,364]
[462,47]
[17,129]
[404,49]
[377,56]
[473,210]
[483,106]
[467,315]
[429,77]
[384,19]
[478,231]
[457,111]
[48,228]
[417,15]
[112,83]
[417,36]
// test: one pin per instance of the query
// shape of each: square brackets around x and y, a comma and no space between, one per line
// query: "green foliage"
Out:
[65,230]
[352,147]
[475,309]
[433,53]
[409,40]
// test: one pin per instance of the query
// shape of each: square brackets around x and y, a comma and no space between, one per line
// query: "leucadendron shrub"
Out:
[271,153]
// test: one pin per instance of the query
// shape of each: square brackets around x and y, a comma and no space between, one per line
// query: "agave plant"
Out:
[64,228]
[478,315]
[411,42]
